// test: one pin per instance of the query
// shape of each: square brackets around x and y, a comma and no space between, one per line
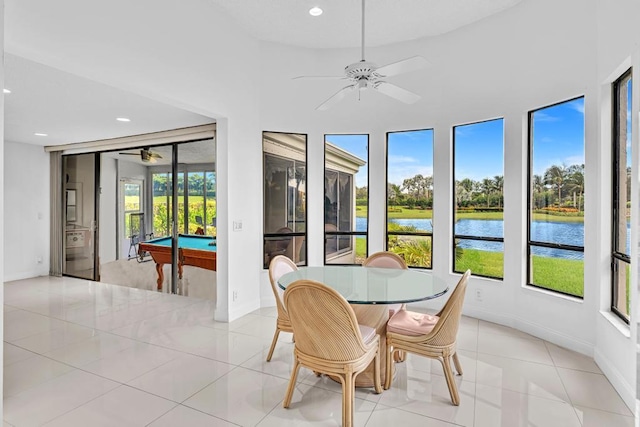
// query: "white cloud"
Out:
[402,159]
[577,105]
[541,116]
[574,160]
[398,175]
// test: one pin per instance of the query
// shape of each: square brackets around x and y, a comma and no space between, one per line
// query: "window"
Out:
[161,192]
[621,250]
[193,196]
[285,196]
[410,196]
[346,198]
[556,198]
[478,199]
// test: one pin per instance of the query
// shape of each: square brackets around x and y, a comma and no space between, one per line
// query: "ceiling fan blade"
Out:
[130,154]
[319,78]
[335,98]
[396,92]
[404,66]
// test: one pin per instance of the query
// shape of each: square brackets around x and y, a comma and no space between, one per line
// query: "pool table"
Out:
[195,250]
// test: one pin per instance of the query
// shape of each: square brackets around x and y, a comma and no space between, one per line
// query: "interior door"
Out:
[80,248]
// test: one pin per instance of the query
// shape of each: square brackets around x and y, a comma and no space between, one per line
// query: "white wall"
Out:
[2,216]
[618,48]
[108,210]
[26,211]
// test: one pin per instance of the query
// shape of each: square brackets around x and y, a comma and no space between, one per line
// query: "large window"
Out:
[478,200]
[621,251]
[346,198]
[556,198]
[410,196]
[285,196]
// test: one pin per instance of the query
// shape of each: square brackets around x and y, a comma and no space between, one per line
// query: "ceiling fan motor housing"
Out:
[359,70]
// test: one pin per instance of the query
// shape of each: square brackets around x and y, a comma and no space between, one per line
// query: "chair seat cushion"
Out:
[411,323]
[393,309]
[368,333]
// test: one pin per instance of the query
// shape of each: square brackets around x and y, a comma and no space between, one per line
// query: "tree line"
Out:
[560,185]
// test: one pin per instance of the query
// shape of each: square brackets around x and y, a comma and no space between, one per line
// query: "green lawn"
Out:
[563,275]
[361,211]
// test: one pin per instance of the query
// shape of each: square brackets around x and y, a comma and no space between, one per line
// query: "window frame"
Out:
[615,194]
[453,205]
[294,234]
[386,201]
[530,242]
[346,233]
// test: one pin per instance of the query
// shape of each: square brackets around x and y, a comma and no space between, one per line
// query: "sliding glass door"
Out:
[80,207]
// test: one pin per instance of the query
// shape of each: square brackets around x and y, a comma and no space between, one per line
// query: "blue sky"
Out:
[558,133]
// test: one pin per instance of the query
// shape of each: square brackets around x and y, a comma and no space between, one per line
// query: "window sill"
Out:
[617,323]
[554,294]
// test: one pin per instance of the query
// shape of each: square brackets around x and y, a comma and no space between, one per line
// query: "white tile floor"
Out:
[78,353]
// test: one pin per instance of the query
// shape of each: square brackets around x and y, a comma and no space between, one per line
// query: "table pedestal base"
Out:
[374,316]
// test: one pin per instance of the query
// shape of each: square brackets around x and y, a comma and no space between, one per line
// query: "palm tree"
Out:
[575,183]
[556,176]
[487,188]
[498,184]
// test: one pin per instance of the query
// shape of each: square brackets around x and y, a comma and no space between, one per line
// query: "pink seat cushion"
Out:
[393,309]
[367,332]
[411,323]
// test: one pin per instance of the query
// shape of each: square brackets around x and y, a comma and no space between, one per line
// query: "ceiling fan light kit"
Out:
[146,156]
[365,74]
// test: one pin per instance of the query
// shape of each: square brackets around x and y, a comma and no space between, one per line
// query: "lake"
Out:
[568,233]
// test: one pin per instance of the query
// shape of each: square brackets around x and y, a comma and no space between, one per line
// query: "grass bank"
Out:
[406,213]
[562,275]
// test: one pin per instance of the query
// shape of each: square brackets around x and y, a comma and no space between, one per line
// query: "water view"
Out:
[567,233]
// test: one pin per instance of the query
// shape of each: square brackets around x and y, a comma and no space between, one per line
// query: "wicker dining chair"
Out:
[279,266]
[386,259]
[430,336]
[329,340]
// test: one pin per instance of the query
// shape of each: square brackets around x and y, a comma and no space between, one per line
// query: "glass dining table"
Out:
[370,290]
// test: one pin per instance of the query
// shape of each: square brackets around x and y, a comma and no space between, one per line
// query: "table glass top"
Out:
[366,285]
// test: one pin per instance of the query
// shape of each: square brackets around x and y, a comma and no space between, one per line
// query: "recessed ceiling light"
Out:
[315,11]
[123,119]
[40,134]
[6,91]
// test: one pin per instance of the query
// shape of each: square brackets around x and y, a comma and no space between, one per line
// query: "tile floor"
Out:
[79,353]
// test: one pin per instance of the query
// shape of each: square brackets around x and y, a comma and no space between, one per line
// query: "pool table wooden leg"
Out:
[160,275]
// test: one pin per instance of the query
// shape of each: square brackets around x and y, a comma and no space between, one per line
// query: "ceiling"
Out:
[386,21]
[72,109]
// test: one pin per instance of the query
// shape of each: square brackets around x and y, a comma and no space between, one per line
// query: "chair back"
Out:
[323,322]
[446,330]
[385,260]
[279,266]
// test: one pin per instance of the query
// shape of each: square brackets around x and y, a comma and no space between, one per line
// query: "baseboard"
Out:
[10,277]
[531,328]
[622,386]
[238,310]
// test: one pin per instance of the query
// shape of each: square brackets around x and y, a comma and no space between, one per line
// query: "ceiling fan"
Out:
[145,155]
[367,75]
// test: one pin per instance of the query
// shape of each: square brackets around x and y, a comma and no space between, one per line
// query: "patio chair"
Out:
[430,336]
[329,340]
[279,265]
[387,259]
